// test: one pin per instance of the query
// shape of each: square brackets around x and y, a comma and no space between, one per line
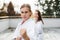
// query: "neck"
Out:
[25,19]
[36,19]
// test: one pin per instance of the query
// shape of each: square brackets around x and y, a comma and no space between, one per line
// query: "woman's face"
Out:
[36,15]
[25,13]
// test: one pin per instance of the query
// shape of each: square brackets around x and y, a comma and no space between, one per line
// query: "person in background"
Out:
[38,25]
[4,8]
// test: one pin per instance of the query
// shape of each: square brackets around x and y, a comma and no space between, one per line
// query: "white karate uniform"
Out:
[39,30]
[29,25]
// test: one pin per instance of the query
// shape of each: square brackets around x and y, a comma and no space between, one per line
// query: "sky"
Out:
[18,3]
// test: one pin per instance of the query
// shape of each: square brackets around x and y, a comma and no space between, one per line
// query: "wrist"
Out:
[27,38]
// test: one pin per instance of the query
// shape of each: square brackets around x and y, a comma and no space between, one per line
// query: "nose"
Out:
[24,13]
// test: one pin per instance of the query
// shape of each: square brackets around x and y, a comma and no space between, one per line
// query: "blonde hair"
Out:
[26,5]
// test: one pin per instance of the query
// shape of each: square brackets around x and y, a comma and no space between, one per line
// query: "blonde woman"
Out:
[25,29]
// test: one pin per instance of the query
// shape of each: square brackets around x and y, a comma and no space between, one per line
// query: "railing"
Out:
[7,22]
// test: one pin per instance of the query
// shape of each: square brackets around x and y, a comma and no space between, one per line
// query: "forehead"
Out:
[24,9]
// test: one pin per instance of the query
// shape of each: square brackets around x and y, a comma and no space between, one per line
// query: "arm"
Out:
[27,38]
[16,32]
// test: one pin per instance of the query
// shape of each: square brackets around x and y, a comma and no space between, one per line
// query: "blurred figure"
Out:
[37,16]
[38,25]
[4,8]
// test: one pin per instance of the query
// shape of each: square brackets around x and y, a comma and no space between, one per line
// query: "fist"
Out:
[19,38]
[23,33]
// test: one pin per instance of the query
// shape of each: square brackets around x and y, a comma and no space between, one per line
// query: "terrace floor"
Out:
[48,34]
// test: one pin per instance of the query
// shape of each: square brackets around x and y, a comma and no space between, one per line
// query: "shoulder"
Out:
[31,20]
[39,22]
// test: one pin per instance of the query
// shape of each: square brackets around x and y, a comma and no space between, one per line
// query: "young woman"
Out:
[38,25]
[25,29]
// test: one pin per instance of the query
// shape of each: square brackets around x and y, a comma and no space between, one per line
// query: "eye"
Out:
[26,11]
[22,12]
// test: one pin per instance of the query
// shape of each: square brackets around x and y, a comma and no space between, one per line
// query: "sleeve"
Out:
[16,32]
[39,31]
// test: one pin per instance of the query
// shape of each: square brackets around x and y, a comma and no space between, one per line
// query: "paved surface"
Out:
[48,35]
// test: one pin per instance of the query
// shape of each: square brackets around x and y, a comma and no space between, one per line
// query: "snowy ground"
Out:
[49,34]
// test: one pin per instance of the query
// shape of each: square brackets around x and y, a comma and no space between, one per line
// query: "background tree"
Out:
[56,7]
[50,7]
[10,9]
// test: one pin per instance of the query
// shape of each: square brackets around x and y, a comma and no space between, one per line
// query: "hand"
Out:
[19,38]
[23,33]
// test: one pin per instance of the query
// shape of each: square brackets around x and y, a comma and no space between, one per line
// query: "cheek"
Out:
[22,15]
[27,15]
[35,15]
